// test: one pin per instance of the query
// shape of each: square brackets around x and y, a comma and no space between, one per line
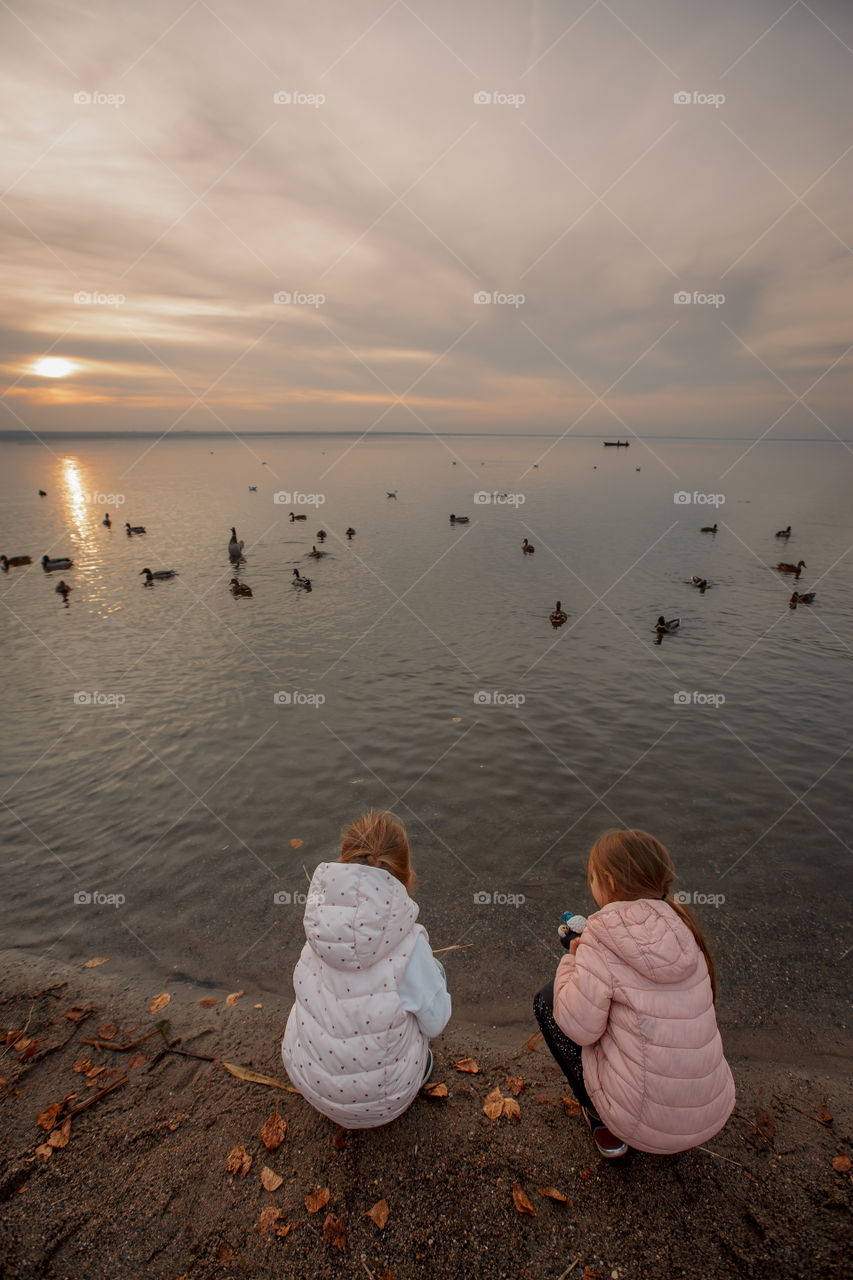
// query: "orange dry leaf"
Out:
[160,1002]
[77,1013]
[841,1164]
[379,1213]
[60,1137]
[137,1060]
[340,1139]
[284,1231]
[494,1104]
[571,1106]
[239,1161]
[521,1202]
[49,1117]
[233,998]
[22,1044]
[553,1194]
[295,843]
[243,1073]
[107,1031]
[93,964]
[515,1084]
[270,1181]
[44,1151]
[335,1232]
[273,1131]
[511,1109]
[435,1090]
[269,1217]
[823,1115]
[208,1002]
[82,1064]
[317,1200]
[467,1064]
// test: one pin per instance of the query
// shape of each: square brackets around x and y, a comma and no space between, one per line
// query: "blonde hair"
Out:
[642,868]
[378,839]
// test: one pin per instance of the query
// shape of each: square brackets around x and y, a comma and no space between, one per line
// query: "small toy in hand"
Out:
[571,928]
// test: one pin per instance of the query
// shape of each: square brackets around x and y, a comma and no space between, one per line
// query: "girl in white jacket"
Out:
[369,992]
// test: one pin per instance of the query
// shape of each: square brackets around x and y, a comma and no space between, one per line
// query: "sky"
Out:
[599,216]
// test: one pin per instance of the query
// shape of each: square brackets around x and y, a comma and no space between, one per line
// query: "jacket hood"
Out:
[649,936]
[356,915]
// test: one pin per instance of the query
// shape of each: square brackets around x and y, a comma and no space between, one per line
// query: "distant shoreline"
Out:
[16,437]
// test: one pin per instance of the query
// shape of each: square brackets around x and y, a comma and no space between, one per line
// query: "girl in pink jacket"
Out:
[630,1014]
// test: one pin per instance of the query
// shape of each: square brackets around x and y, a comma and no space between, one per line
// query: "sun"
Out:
[53,367]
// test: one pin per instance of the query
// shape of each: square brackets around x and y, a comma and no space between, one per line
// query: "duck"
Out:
[792,568]
[293,517]
[805,597]
[42,493]
[460,519]
[14,562]
[61,562]
[299,581]
[134,528]
[62,589]
[107,522]
[784,533]
[253,488]
[159,575]
[321,535]
[316,554]
[559,616]
[664,627]
[240,589]
[526,547]
[708,528]
[350,532]
[701,583]
[235,548]
[389,493]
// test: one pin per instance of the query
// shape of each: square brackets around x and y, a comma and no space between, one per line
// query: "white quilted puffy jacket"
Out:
[350,1047]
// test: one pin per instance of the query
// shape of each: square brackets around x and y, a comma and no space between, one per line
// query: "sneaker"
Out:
[607,1144]
[428,1071]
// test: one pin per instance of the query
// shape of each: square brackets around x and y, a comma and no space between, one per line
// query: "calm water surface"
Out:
[422,673]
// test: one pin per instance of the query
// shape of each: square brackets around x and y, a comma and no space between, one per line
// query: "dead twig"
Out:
[458,946]
[825,1124]
[574,1262]
[83,1106]
[728,1160]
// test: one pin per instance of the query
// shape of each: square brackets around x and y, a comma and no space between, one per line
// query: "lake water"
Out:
[422,673]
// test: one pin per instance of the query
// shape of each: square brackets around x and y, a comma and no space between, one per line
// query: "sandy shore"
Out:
[138,1182]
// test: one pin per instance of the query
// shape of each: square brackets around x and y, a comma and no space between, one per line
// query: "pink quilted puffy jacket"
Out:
[636,994]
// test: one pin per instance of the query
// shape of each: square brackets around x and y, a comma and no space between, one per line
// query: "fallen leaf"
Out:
[273,1131]
[93,964]
[160,1002]
[379,1213]
[511,1109]
[208,1002]
[553,1194]
[515,1084]
[77,1013]
[60,1137]
[239,1161]
[571,1106]
[589,1274]
[107,1031]
[317,1200]
[22,1044]
[494,1104]
[94,1072]
[468,1065]
[841,1164]
[270,1181]
[82,1064]
[823,1115]
[296,843]
[233,998]
[340,1139]
[435,1090]
[521,1202]
[335,1232]
[285,1231]
[243,1073]
[30,1050]
[269,1217]
[137,1060]
[49,1116]
[44,1151]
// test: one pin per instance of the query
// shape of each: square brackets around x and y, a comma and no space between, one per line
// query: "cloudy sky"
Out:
[172,173]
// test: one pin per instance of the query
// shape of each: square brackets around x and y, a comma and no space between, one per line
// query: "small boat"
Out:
[240,589]
[235,547]
[159,575]
[617,444]
[14,562]
[61,562]
[666,628]
[134,528]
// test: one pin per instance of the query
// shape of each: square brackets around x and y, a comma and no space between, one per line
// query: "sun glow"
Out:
[53,367]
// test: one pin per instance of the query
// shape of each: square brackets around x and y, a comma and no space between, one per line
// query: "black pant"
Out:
[566,1053]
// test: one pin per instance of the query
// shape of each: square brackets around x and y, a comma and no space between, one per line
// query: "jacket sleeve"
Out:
[423,990]
[583,990]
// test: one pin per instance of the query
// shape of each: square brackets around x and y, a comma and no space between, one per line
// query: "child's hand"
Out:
[575,943]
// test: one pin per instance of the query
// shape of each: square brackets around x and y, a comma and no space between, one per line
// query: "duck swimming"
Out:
[107,522]
[317,555]
[664,628]
[159,575]
[784,533]
[14,563]
[708,528]
[134,528]
[61,562]
[253,488]
[321,535]
[460,519]
[42,493]
[235,548]
[62,589]
[805,597]
[299,581]
[240,589]
[559,616]
[293,517]
[350,532]
[792,568]
[389,494]
[526,547]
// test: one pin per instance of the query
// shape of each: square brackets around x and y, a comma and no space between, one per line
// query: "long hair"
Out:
[378,839]
[642,868]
